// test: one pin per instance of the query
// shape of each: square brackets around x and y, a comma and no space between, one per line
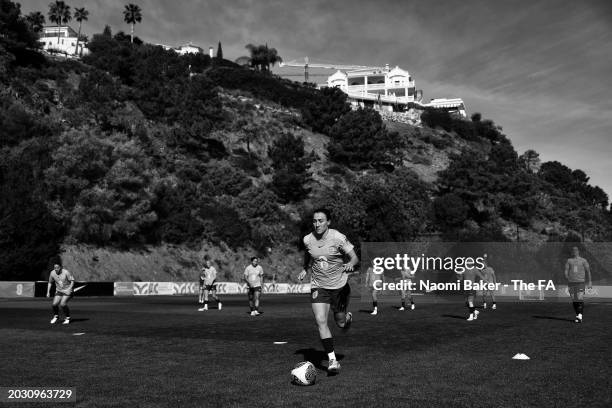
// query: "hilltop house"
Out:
[387,89]
[65,42]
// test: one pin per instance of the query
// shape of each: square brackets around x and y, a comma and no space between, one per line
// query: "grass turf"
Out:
[160,351]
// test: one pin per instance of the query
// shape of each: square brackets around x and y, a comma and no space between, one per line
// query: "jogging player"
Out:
[407,275]
[208,278]
[326,251]
[64,283]
[576,269]
[253,276]
[488,276]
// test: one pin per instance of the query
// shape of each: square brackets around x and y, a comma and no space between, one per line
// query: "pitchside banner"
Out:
[511,270]
[16,289]
[193,288]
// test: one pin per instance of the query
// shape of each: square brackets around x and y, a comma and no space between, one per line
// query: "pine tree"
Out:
[219,51]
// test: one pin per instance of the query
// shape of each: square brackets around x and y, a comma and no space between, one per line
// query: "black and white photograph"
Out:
[266,203]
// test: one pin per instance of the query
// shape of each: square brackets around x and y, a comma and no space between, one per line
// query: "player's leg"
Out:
[470,301]
[484,298]
[579,301]
[251,301]
[216,298]
[339,304]
[320,311]
[492,294]
[205,298]
[403,307]
[64,305]
[55,306]
[201,298]
[374,302]
[409,293]
[256,295]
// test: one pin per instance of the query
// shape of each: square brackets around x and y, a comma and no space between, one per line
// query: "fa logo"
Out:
[315,293]
[323,262]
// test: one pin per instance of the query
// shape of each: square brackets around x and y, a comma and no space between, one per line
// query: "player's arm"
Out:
[261,277]
[305,265]
[350,265]
[244,277]
[588,273]
[49,286]
[493,276]
[71,280]
[567,267]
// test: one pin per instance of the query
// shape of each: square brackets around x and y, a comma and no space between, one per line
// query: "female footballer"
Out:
[326,250]
[64,282]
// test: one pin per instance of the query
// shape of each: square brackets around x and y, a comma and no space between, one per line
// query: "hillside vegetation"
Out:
[142,153]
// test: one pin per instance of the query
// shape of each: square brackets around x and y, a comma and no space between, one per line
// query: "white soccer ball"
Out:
[304,373]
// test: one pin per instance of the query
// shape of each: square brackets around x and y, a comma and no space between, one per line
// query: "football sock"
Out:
[472,308]
[580,307]
[252,308]
[56,310]
[575,305]
[66,311]
[328,345]
[375,304]
[403,303]
[412,302]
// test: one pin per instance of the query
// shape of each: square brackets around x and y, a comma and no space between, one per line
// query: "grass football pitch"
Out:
[162,352]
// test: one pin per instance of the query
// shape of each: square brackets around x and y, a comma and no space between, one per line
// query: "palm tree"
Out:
[59,13]
[132,15]
[262,56]
[36,20]
[80,15]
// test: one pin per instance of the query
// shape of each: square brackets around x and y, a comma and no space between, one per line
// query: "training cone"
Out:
[520,356]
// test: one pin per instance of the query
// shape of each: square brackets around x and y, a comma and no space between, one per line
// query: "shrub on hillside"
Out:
[360,140]
[324,110]
[290,163]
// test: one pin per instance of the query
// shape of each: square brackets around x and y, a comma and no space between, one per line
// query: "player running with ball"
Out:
[326,250]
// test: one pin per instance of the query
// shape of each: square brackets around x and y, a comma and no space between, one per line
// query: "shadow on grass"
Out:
[365,310]
[316,357]
[74,320]
[563,319]
[454,316]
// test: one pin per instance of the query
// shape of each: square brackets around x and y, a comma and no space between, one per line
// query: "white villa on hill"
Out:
[65,43]
[387,89]
[188,48]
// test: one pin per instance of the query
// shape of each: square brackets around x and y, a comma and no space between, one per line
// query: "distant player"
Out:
[472,275]
[488,276]
[576,269]
[407,276]
[64,283]
[253,276]
[208,278]
[326,250]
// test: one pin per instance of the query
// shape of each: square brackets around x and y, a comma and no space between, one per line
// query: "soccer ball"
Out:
[304,373]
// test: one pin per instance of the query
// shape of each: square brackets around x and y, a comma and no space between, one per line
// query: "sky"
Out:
[540,69]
